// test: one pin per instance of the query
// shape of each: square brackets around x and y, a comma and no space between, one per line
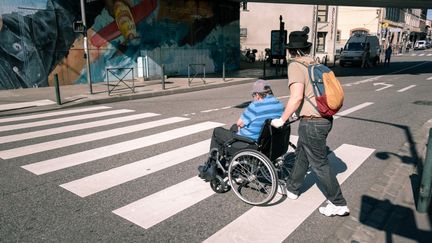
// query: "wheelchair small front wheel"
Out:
[219,184]
[252,177]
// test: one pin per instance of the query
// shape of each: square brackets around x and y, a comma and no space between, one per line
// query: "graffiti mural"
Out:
[38,39]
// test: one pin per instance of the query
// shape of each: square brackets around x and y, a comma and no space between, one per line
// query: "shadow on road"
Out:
[393,219]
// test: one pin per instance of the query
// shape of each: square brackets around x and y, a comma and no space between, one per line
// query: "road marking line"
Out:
[429,54]
[378,77]
[99,182]
[413,55]
[76,127]
[351,110]
[157,207]
[20,105]
[276,223]
[62,120]
[207,111]
[57,113]
[70,160]
[89,137]
[430,78]
[406,88]
[420,55]
[385,84]
[363,81]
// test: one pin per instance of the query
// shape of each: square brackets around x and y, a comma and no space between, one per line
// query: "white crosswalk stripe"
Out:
[107,179]
[55,113]
[76,127]
[66,161]
[60,143]
[20,105]
[62,120]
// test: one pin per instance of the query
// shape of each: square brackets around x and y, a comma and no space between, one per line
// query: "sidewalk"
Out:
[79,95]
[20,100]
[387,211]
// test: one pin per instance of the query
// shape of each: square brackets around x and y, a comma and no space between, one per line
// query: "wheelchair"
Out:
[254,169]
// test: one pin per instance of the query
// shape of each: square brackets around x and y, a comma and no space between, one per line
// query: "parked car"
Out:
[353,50]
[420,45]
[428,44]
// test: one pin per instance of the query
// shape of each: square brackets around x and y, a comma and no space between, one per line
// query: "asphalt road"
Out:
[41,199]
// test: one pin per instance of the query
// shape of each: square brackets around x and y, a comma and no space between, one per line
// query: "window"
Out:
[243,32]
[322,13]
[338,35]
[359,31]
[321,38]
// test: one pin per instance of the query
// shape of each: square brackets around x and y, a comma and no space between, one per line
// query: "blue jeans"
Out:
[312,150]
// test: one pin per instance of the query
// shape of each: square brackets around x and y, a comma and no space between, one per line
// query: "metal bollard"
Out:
[264,68]
[424,199]
[163,77]
[223,71]
[57,89]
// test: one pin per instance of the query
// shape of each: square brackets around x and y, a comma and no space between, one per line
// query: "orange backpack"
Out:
[328,91]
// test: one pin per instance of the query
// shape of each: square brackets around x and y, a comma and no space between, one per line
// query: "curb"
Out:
[152,94]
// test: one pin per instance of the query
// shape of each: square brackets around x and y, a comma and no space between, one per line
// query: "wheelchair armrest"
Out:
[243,139]
[239,138]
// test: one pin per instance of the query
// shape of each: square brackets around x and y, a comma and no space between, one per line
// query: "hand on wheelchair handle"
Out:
[278,122]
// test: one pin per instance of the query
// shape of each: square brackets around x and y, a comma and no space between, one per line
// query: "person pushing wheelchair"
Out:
[313,129]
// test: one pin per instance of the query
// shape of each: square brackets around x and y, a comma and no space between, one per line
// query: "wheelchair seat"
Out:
[272,142]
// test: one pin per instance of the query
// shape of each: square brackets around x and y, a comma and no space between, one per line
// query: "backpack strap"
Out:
[310,68]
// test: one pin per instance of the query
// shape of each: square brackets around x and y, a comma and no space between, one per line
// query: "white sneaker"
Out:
[331,210]
[291,195]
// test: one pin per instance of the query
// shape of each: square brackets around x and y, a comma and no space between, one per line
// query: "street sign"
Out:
[278,42]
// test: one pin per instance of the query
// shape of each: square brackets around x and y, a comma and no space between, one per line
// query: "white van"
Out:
[353,50]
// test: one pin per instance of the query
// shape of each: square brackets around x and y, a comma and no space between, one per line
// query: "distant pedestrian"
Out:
[366,56]
[388,54]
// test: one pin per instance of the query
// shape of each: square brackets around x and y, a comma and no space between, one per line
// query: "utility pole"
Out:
[86,50]
[315,32]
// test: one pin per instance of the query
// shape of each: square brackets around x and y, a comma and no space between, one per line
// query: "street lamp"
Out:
[86,50]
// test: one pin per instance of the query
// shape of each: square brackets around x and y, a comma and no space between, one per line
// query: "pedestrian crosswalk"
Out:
[21,105]
[150,210]
[417,54]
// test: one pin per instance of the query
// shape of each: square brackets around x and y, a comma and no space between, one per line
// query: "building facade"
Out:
[38,38]
[259,19]
[394,26]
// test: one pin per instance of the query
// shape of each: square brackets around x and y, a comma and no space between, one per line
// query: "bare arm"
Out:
[296,97]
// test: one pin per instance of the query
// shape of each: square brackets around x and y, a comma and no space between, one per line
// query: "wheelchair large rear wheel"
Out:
[252,177]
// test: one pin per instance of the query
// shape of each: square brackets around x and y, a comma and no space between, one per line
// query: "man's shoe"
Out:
[331,210]
[291,195]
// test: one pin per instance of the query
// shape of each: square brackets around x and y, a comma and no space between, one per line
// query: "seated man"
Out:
[264,106]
